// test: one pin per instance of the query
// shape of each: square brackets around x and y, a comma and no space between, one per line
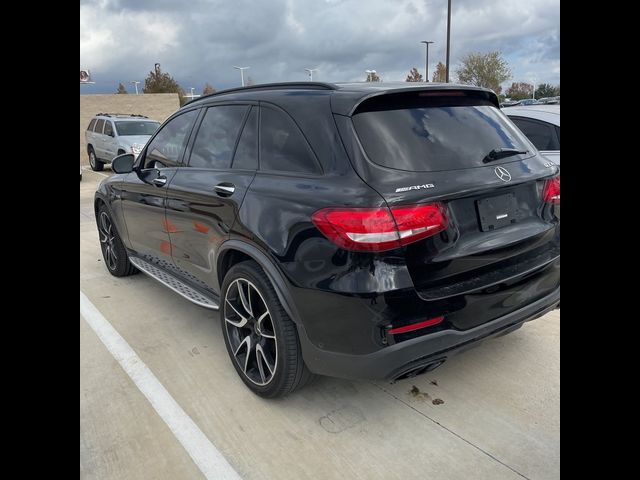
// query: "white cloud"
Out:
[200,41]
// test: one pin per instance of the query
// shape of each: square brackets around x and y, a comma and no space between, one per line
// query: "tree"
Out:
[519,91]
[440,75]
[161,82]
[121,89]
[414,76]
[373,77]
[487,70]
[547,90]
[208,89]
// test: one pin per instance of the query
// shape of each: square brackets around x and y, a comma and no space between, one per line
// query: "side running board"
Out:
[174,284]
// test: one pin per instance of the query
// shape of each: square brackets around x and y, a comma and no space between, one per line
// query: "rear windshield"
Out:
[432,134]
[136,128]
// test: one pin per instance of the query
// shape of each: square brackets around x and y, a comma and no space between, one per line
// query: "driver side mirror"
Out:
[123,163]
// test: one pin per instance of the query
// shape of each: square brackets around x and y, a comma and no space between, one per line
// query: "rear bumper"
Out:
[396,360]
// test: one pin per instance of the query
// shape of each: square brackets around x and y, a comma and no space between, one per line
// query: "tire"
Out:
[113,252]
[278,369]
[96,165]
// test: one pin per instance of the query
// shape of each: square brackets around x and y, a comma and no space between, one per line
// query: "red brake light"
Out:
[379,229]
[417,326]
[551,192]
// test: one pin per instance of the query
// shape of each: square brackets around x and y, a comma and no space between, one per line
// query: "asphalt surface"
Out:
[492,412]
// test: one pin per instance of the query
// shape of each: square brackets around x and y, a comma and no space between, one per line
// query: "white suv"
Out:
[112,134]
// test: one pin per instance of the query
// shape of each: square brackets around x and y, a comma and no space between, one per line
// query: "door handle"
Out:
[225,189]
[159,181]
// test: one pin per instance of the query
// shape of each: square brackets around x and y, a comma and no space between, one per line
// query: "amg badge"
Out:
[414,187]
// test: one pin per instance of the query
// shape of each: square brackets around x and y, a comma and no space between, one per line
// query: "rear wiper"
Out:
[498,153]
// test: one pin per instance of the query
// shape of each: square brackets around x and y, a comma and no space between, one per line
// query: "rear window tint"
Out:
[434,133]
[99,125]
[91,124]
[283,148]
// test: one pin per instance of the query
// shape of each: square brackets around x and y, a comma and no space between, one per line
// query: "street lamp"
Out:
[370,75]
[426,63]
[242,69]
[135,84]
[311,70]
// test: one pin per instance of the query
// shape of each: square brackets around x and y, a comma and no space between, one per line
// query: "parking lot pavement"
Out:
[491,412]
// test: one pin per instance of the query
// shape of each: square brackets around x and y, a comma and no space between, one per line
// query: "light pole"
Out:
[311,70]
[426,63]
[242,69]
[448,36]
[370,75]
[135,84]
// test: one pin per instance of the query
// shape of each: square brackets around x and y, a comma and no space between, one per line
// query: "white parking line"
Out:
[97,173]
[205,455]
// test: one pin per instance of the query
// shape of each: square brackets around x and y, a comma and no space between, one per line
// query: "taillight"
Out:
[379,229]
[551,191]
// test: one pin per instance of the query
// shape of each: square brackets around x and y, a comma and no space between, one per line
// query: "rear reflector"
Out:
[417,326]
[379,229]
[551,192]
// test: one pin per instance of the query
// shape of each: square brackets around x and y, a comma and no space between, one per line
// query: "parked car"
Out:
[549,100]
[352,230]
[541,125]
[111,134]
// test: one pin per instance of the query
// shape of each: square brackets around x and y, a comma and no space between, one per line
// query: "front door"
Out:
[144,191]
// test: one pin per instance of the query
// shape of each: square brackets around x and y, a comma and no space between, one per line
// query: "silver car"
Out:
[111,134]
[541,125]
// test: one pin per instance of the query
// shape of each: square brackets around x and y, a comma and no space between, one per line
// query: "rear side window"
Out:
[99,125]
[108,129]
[541,134]
[246,156]
[217,135]
[433,133]
[92,124]
[283,148]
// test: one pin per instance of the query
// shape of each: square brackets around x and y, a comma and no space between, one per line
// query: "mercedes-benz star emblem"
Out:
[503,174]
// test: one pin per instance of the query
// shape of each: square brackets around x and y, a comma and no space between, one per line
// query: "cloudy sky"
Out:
[200,40]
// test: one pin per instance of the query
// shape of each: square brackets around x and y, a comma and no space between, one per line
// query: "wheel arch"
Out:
[234,251]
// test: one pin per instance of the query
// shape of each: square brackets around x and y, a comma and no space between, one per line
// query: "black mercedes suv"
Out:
[353,230]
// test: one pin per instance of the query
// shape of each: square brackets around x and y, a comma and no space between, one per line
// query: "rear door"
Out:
[205,195]
[110,144]
[426,147]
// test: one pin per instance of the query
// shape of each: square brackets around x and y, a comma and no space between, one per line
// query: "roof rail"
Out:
[121,115]
[271,86]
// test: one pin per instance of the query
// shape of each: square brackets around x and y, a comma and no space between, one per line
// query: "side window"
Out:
[108,128]
[91,124]
[541,134]
[246,156]
[165,150]
[282,146]
[558,134]
[217,135]
[99,125]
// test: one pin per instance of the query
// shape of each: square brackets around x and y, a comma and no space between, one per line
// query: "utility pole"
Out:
[242,69]
[448,36]
[426,62]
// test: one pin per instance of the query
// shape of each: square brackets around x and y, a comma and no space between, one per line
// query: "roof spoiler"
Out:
[343,102]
